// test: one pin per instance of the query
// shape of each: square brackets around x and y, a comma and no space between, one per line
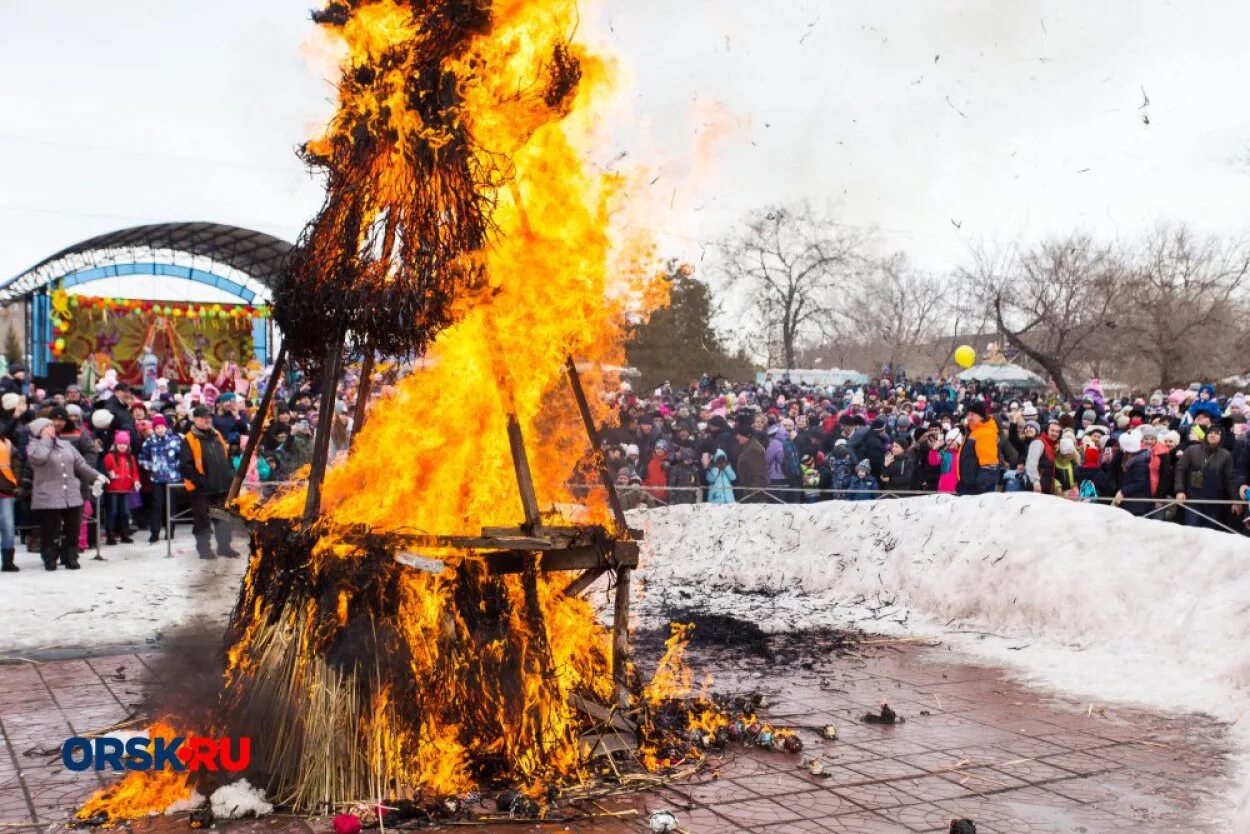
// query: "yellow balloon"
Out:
[965,356]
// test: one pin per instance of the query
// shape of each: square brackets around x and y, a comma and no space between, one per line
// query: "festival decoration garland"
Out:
[65,306]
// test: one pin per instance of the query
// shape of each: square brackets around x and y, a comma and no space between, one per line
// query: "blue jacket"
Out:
[720,482]
[160,455]
[862,489]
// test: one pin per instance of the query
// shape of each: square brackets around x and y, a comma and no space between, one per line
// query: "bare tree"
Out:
[791,263]
[1055,303]
[1184,299]
[896,308]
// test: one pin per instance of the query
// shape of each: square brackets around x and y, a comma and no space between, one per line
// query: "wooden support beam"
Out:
[573,558]
[584,580]
[258,426]
[620,638]
[325,419]
[524,478]
[588,419]
[362,394]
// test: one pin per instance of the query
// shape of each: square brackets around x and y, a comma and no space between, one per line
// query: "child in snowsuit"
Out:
[863,486]
[123,473]
[720,479]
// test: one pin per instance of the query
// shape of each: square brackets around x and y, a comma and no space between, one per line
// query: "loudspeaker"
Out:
[61,375]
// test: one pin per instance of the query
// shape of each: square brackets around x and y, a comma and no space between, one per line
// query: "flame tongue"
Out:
[458,197]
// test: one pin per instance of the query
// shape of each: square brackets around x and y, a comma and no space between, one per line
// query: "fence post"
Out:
[99,503]
[169,545]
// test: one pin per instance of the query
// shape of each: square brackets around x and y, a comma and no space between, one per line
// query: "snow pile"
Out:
[237,800]
[1080,597]
[128,600]
[1124,608]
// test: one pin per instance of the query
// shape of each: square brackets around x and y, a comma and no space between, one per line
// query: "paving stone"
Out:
[1012,759]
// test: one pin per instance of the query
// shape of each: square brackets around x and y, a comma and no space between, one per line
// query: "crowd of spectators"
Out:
[1180,455]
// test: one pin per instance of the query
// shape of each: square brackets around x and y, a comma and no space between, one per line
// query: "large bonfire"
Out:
[462,222]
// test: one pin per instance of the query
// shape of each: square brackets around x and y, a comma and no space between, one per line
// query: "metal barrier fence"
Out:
[762,495]
[777,495]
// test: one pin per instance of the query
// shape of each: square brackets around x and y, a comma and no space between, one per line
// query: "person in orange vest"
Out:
[8,490]
[206,472]
[979,465]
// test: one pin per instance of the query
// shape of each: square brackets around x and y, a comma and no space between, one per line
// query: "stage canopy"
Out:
[210,267]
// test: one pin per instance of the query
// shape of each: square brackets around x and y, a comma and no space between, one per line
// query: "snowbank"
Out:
[128,600]
[1148,596]
[1080,597]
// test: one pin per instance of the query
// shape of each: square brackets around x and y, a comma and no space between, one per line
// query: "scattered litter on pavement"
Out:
[886,716]
[663,822]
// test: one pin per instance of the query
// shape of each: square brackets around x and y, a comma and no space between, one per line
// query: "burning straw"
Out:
[463,220]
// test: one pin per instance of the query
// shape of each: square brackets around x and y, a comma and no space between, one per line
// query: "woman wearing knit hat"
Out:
[57,468]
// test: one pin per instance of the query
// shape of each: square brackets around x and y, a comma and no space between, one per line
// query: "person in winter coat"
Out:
[1159,462]
[979,462]
[863,486]
[928,460]
[1205,471]
[811,480]
[841,469]
[160,456]
[775,460]
[229,423]
[9,479]
[869,442]
[947,461]
[56,499]
[720,479]
[1039,459]
[123,472]
[751,468]
[630,492]
[899,467]
[1134,475]
[206,473]
[656,479]
[1065,483]
[683,479]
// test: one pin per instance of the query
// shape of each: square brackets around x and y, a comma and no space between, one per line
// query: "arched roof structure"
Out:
[250,260]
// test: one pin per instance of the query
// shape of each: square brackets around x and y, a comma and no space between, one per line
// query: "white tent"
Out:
[1002,373]
[814,376]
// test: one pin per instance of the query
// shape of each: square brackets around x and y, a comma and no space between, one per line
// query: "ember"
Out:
[400,636]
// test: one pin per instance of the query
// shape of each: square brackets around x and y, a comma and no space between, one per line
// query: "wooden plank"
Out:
[572,558]
[588,420]
[524,478]
[583,581]
[620,638]
[258,426]
[325,419]
[362,394]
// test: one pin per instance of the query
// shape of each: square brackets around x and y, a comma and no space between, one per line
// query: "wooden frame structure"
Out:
[530,547]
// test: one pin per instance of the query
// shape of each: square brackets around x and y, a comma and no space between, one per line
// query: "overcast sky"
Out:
[1008,120]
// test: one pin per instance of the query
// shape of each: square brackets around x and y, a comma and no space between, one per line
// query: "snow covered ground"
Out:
[128,600]
[1083,598]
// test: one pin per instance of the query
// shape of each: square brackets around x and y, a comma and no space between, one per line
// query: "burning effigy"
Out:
[411,628]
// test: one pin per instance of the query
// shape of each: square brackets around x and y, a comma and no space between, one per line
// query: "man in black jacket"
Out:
[206,471]
[1205,471]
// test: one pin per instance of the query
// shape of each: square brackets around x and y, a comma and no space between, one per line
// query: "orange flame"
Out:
[140,793]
